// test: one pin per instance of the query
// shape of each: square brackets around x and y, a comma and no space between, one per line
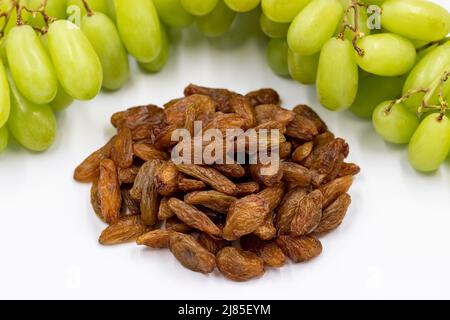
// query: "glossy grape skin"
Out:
[386,54]
[30,65]
[416,19]
[283,11]
[217,22]
[76,63]
[337,75]
[4,138]
[173,14]
[62,100]
[242,5]
[396,126]
[32,125]
[104,37]
[430,144]
[314,26]
[372,91]
[303,69]
[5,100]
[139,28]
[277,53]
[158,64]
[273,29]
[199,7]
[55,9]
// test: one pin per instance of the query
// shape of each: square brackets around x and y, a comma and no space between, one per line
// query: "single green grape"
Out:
[32,125]
[314,26]
[5,99]
[386,54]
[396,124]
[416,19]
[54,8]
[139,28]
[277,53]
[104,37]
[430,144]
[173,14]
[216,23]
[303,69]
[199,7]
[283,11]
[30,65]
[62,100]
[242,5]
[158,64]
[373,90]
[76,63]
[273,29]
[4,138]
[337,75]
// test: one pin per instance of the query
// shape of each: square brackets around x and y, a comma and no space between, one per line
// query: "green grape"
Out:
[76,63]
[32,125]
[158,64]
[173,14]
[337,75]
[217,22]
[425,74]
[5,6]
[94,5]
[396,125]
[61,101]
[112,9]
[430,144]
[314,26]
[199,7]
[5,100]
[273,29]
[277,53]
[3,57]
[386,54]
[362,21]
[416,19]
[139,28]
[303,68]
[242,5]
[421,53]
[55,9]
[30,65]
[4,138]
[375,2]
[104,37]
[373,90]
[283,11]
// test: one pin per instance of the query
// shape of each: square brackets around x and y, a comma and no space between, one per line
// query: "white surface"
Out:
[393,244]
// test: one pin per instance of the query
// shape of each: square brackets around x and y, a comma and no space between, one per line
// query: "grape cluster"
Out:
[388,60]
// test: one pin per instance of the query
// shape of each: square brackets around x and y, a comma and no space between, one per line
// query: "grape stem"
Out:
[34,13]
[442,102]
[7,15]
[89,11]
[354,6]
[408,95]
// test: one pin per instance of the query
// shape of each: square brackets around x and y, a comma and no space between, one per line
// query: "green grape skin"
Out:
[314,26]
[426,73]
[422,52]
[30,65]
[55,9]
[337,75]
[158,64]
[4,138]
[111,9]
[242,5]
[273,29]
[5,5]
[303,69]
[277,53]
[386,54]
[283,11]
[396,125]
[94,5]
[217,22]
[416,19]
[173,14]
[139,28]
[32,125]
[375,2]
[76,63]
[104,37]
[62,100]
[362,21]
[5,99]
[372,91]
[430,144]
[199,7]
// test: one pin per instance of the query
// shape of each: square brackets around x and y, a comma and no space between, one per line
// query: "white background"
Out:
[393,244]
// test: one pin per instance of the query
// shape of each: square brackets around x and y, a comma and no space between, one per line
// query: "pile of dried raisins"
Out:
[225,215]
